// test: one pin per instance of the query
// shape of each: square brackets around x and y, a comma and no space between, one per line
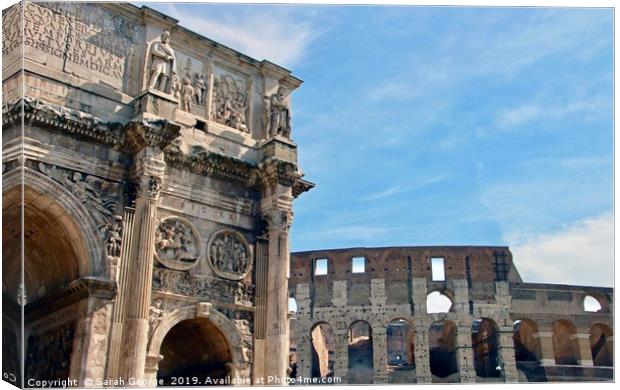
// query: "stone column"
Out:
[422,354]
[136,327]
[585,349]
[341,365]
[546,348]
[379,352]
[276,209]
[465,359]
[507,353]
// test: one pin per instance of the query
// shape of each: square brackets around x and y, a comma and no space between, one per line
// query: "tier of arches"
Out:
[443,349]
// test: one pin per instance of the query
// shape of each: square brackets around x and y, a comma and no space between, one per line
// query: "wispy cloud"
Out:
[516,116]
[399,189]
[279,34]
[582,253]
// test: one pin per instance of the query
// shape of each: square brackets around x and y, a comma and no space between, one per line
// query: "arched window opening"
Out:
[437,302]
[400,344]
[322,340]
[442,351]
[360,351]
[601,344]
[565,345]
[485,345]
[591,304]
[292,305]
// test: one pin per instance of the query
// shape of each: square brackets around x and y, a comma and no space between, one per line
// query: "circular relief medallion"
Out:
[177,244]
[229,254]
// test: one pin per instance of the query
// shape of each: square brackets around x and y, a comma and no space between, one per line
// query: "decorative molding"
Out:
[58,119]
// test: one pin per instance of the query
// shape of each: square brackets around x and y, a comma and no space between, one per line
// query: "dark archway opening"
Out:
[565,346]
[601,344]
[194,348]
[360,353]
[527,350]
[54,255]
[442,347]
[485,345]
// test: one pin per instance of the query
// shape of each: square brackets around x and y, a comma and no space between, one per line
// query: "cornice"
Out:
[62,120]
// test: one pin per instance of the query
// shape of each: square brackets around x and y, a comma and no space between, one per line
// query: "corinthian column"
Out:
[276,207]
[149,166]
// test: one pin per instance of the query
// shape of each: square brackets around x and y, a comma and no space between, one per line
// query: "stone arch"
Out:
[526,344]
[69,210]
[442,343]
[360,352]
[322,343]
[485,345]
[601,345]
[565,344]
[240,361]
[400,343]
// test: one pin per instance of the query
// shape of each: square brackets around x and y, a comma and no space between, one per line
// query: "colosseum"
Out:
[442,315]
[148,181]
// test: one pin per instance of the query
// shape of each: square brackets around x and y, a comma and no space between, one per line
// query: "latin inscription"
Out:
[83,46]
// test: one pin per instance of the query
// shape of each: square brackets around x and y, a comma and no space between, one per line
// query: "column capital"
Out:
[149,186]
[157,133]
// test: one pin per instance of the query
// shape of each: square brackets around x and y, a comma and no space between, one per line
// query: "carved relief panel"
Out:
[229,254]
[177,244]
[230,99]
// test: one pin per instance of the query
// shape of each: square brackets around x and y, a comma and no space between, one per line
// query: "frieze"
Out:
[229,254]
[177,244]
[205,288]
[100,196]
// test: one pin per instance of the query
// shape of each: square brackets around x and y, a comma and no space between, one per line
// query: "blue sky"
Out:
[445,126]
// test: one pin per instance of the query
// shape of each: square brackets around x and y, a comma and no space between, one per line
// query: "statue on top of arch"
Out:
[163,64]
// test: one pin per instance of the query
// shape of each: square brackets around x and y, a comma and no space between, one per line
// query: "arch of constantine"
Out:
[149,175]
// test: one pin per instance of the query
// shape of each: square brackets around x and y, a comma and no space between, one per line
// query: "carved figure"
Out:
[114,230]
[200,89]
[175,86]
[188,94]
[230,103]
[163,63]
[229,255]
[176,245]
[156,313]
[279,120]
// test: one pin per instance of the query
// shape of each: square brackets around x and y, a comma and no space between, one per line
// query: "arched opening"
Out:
[485,345]
[54,256]
[528,350]
[591,304]
[400,345]
[194,348]
[565,345]
[360,353]
[322,340]
[442,350]
[437,302]
[601,343]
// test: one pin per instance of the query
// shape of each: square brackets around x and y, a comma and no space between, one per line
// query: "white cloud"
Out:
[582,253]
[398,189]
[516,116]
[276,34]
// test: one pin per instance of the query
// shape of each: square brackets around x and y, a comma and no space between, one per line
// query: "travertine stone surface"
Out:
[150,141]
